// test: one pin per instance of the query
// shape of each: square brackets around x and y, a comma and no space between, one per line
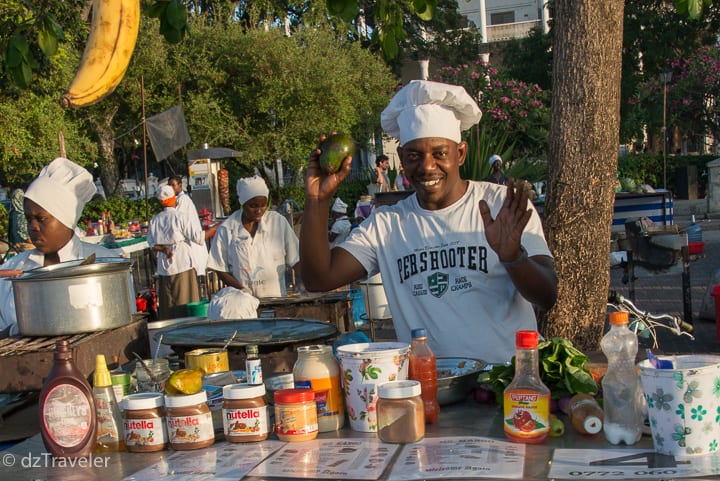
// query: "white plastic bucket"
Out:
[364,367]
[684,404]
[376,304]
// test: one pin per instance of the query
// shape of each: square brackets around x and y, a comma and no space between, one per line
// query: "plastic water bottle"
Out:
[622,393]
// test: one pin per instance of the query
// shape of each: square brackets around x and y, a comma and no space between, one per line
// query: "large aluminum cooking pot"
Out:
[70,298]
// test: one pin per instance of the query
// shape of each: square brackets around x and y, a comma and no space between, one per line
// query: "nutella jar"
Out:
[189,421]
[143,422]
[295,415]
[245,417]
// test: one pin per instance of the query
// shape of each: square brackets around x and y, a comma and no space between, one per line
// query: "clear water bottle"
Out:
[622,393]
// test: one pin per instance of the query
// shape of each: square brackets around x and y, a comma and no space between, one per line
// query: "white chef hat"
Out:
[62,188]
[250,187]
[429,109]
[339,206]
[166,196]
[494,158]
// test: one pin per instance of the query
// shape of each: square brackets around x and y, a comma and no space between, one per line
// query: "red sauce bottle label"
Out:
[67,416]
[526,413]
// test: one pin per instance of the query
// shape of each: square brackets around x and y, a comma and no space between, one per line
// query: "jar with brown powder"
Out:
[401,416]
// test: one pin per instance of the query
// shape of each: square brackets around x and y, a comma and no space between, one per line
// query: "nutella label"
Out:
[190,429]
[245,422]
[67,415]
[144,432]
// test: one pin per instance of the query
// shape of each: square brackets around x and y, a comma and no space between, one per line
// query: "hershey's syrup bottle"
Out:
[68,422]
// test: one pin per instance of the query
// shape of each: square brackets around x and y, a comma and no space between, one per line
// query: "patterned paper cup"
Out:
[364,367]
[684,404]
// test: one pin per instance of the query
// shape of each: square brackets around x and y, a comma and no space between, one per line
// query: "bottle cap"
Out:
[526,339]
[418,333]
[183,400]
[101,377]
[142,400]
[592,424]
[619,317]
[399,389]
[251,349]
[243,391]
[288,396]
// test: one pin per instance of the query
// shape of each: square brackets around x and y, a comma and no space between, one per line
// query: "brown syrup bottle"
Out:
[68,423]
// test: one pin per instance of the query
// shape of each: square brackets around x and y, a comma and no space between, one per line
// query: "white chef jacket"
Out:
[259,262]
[75,249]
[170,228]
[342,228]
[185,206]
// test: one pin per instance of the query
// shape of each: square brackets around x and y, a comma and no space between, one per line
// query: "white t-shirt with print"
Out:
[440,273]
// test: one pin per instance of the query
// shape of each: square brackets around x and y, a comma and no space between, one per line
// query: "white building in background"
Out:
[499,20]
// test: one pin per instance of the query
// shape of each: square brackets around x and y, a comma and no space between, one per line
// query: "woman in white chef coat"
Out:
[254,246]
[172,238]
[53,204]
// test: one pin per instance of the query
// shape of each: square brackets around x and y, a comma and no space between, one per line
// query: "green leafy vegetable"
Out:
[562,370]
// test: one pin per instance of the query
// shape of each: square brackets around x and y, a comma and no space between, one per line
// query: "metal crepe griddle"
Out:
[263,332]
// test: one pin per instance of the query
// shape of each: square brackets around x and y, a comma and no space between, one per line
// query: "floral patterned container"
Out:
[364,366]
[684,404]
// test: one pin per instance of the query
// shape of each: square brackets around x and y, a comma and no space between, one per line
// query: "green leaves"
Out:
[347,10]
[562,370]
[19,60]
[692,8]
[173,19]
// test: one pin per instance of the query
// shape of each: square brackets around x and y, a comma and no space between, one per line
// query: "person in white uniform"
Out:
[465,260]
[53,203]
[171,237]
[341,226]
[186,207]
[253,249]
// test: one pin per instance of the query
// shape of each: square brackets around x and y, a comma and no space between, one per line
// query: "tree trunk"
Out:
[109,171]
[583,151]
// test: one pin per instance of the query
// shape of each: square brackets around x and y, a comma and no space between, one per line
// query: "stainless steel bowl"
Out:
[457,376]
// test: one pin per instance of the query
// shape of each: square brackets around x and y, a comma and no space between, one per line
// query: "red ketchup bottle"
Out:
[68,422]
[423,368]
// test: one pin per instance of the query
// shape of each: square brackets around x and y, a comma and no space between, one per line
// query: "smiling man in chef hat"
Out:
[54,202]
[464,259]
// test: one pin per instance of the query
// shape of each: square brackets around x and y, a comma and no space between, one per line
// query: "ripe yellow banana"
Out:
[110,45]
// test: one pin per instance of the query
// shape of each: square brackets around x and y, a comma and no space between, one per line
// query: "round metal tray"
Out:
[263,332]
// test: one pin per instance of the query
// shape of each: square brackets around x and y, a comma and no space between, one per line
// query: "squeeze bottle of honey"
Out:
[67,409]
[526,400]
[423,368]
[585,413]
[109,419]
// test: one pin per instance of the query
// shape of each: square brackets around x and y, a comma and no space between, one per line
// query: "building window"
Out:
[502,17]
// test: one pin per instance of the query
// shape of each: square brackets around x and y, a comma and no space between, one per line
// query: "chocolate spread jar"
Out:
[245,416]
[144,423]
[189,421]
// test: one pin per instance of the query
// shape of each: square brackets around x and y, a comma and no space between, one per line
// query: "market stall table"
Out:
[27,461]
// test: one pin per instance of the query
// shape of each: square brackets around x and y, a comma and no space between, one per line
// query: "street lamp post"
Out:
[665,78]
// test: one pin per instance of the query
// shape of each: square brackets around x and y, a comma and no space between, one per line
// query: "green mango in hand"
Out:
[334,150]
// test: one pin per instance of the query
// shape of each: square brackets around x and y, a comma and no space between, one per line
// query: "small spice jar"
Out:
[295,415]
[189,421]
[401,418]
[244,412]
[144,422]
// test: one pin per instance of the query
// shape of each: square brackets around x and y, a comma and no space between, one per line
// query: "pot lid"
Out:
[264,332]
[75,268]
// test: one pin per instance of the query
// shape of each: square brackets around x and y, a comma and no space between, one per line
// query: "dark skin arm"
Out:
[229,280]
[535,278]
[320,268]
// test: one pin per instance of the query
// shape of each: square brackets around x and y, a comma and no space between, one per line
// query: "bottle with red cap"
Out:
[526,405]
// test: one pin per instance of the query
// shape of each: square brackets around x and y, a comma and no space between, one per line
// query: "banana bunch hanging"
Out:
[110,45]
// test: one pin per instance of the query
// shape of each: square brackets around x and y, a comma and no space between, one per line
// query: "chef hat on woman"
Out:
[250,187]
[494,158]
[429,109]
[62,188]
